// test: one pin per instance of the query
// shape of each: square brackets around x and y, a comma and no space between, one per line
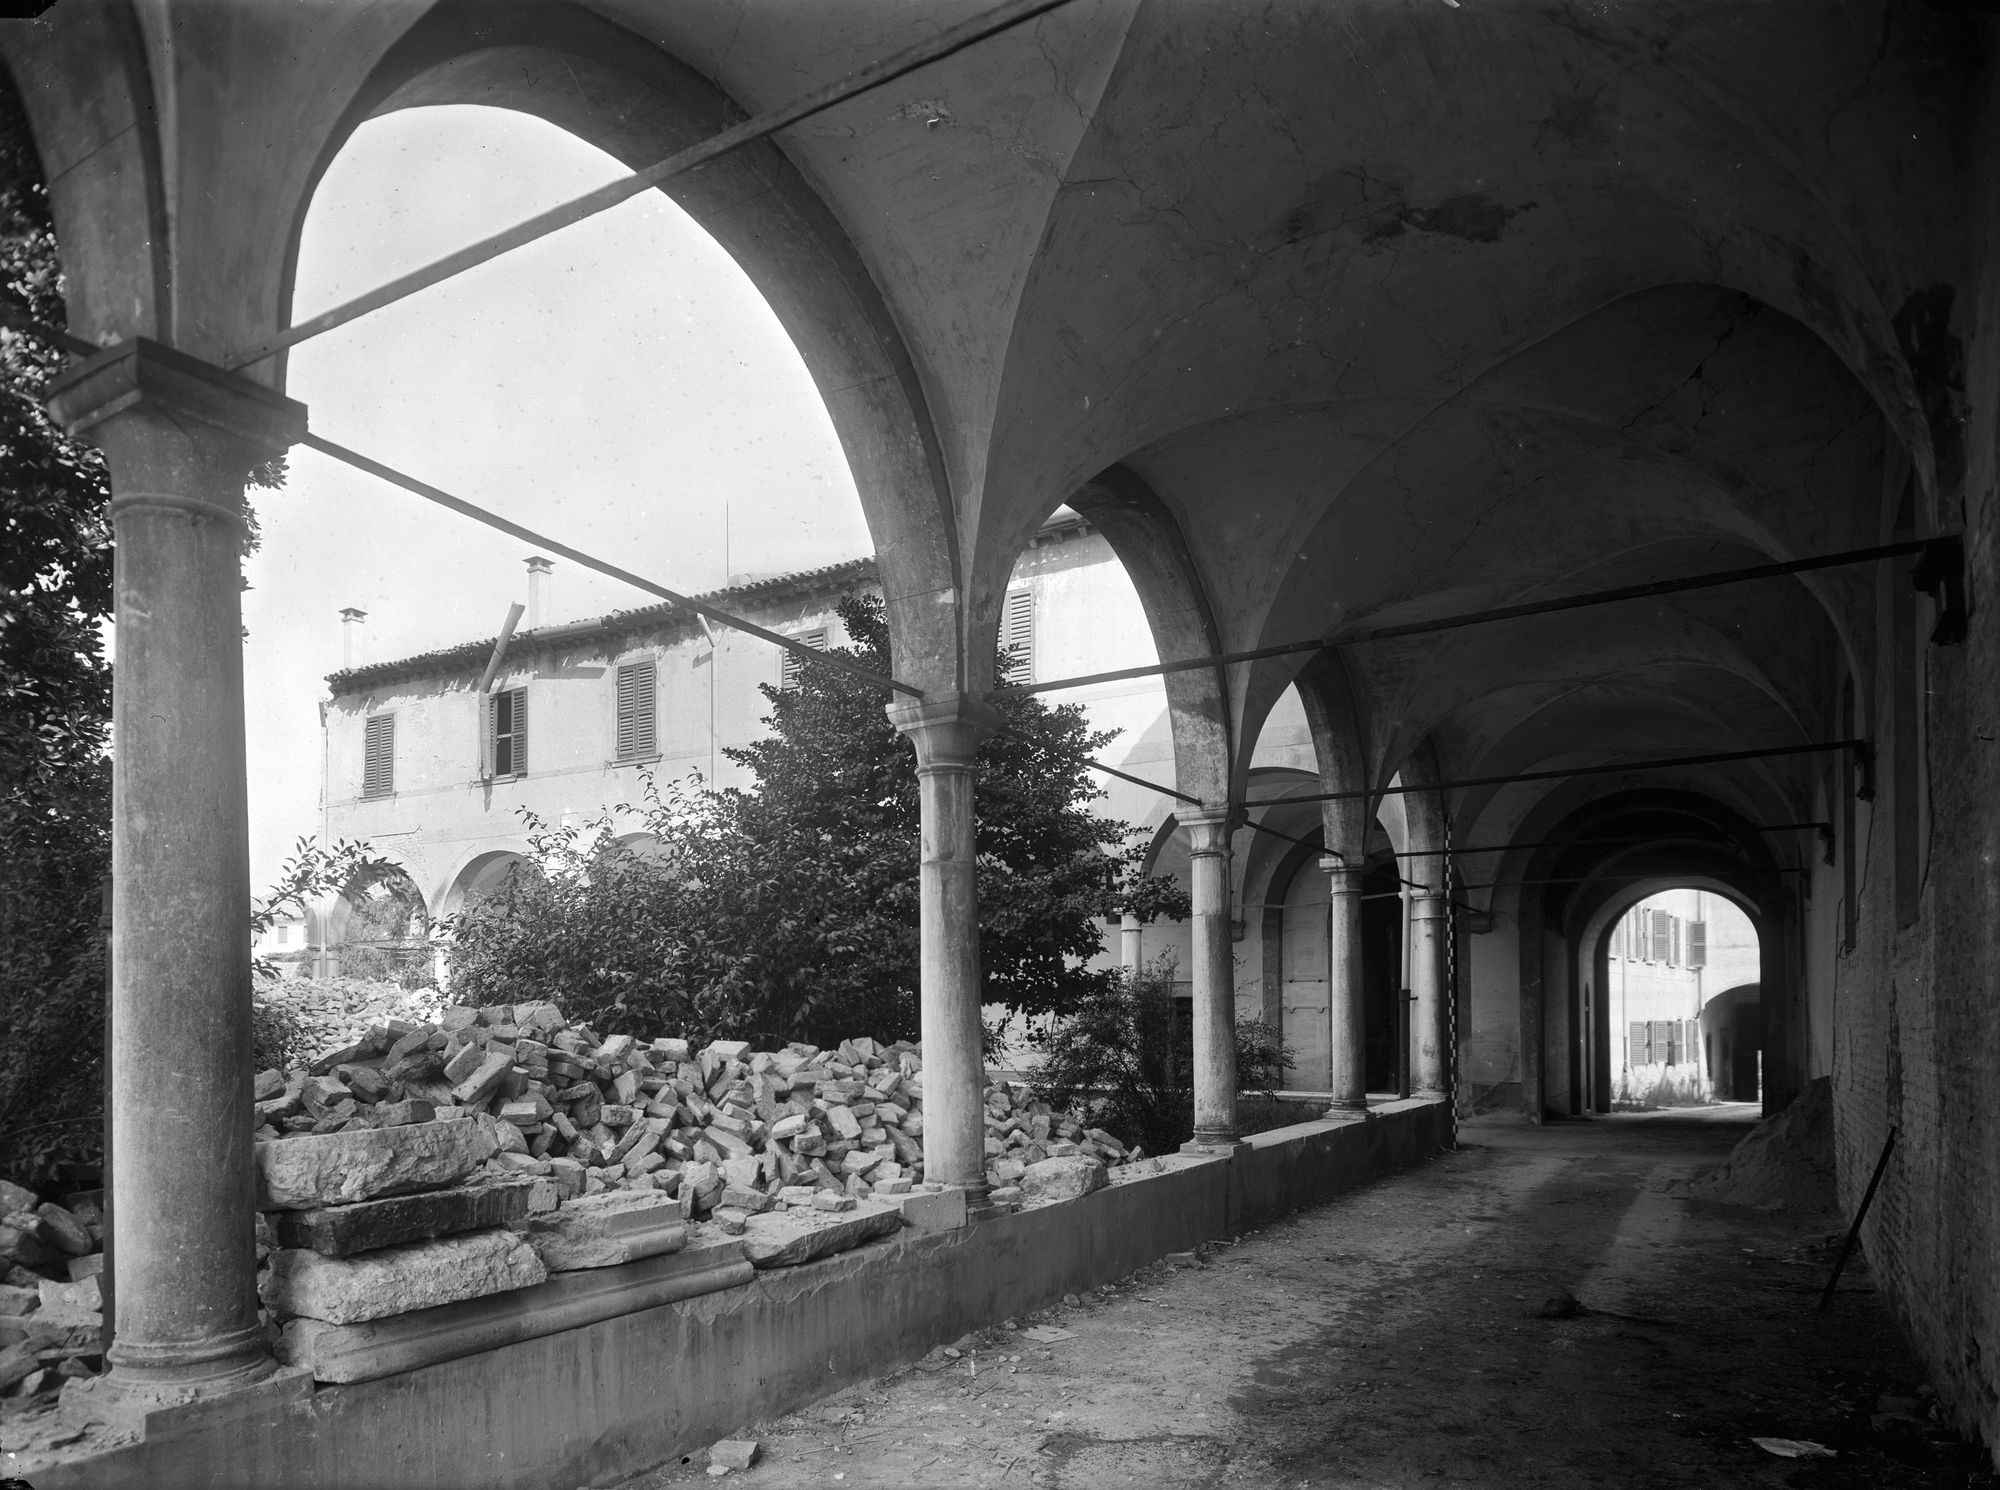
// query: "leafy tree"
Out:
[55,706]
[790,911]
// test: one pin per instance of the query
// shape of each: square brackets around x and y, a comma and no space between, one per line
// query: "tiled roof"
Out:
[473,655]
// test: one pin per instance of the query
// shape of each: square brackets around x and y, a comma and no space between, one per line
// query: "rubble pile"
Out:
[333,1011]
[51,1327]
[724,1128]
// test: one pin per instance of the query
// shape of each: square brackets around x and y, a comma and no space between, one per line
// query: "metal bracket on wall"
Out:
[1940,573]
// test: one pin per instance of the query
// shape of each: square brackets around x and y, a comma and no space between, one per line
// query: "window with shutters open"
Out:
[637,732]
[1663,937]
[507,732]
[378,764]
[1697,944]
[1017,638]
[794,666]
[1641,1043]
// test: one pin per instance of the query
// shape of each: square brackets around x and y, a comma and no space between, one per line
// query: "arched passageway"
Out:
[1341,376]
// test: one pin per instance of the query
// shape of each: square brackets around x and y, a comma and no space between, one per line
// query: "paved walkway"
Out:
[1395,1338]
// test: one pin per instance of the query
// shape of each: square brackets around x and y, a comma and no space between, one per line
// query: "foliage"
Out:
[55,710]
[1125,1054]
[310,872]
[55,704]
[278,1036]
[790,911]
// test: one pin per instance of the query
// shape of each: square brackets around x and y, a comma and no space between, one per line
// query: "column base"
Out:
[1214,1145]
[1353,1109]
[147,1409]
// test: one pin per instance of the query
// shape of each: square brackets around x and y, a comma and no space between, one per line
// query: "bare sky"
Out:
[614,386]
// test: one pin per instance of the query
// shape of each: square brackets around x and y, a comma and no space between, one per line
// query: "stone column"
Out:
[1427,992]
[1214,976]
[179,437]
[1347,1045]
[946,732]
[1130,932]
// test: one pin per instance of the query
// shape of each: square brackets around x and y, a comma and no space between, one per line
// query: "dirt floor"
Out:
[1396,1338]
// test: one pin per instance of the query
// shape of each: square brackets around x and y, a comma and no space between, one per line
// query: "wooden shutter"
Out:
[792,668]
[637,683]
[1017,638]
[1697,944]
[1663,936]
[378,765]
[1641,1044]
[507,732]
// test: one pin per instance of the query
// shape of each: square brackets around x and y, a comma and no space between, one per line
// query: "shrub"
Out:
[1125,1056]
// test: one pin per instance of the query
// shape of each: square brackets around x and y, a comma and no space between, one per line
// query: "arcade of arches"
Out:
[1331,318]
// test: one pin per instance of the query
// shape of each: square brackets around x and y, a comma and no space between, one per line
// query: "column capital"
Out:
[946,729]
[149,376]
[1426,905]
[1208,829]
[1345,878]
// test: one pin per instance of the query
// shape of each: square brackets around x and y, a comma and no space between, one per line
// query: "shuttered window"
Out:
[793,667]
[507,732]
[1697,944]
[637,735]
[1642,1043]
[1017,638]
[1618,939]
[1663,937]
[378,764]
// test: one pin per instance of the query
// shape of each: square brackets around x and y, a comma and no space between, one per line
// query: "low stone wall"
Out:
[596,1403]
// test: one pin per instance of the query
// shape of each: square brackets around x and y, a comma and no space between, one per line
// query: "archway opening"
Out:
[625,386]
[382,929]
[1679,996]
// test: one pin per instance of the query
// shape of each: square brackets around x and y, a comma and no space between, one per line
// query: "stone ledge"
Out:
[568,1301]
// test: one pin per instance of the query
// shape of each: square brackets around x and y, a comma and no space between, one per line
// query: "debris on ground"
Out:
[1784,1163]
[733,1453]
[592,1112]
[1793,1448]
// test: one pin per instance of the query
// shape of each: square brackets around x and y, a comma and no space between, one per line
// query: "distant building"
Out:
[1682,981]
[433,777]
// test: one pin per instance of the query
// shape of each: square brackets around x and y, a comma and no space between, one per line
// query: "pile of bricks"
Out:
[720,1128]
[328,1011]
[50,1325]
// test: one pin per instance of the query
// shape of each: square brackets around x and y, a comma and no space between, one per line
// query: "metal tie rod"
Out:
[576,556]
[1501,613]
[947,42]
[1502,848]
[1607,770]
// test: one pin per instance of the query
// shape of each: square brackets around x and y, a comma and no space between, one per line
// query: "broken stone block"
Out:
[86,1267]
[402,1114]
[78,1303]
[730,1221]
[780,1239]
[843,1122]
[1069,1178]
[17,1363]
[343,1230]
[733,1453]
[827,1200]
[395,1280]
[18,1301]
[299,1174]
[15,1197]
[63,1229]
[484,1080]
[600,1231]
[743,1198]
